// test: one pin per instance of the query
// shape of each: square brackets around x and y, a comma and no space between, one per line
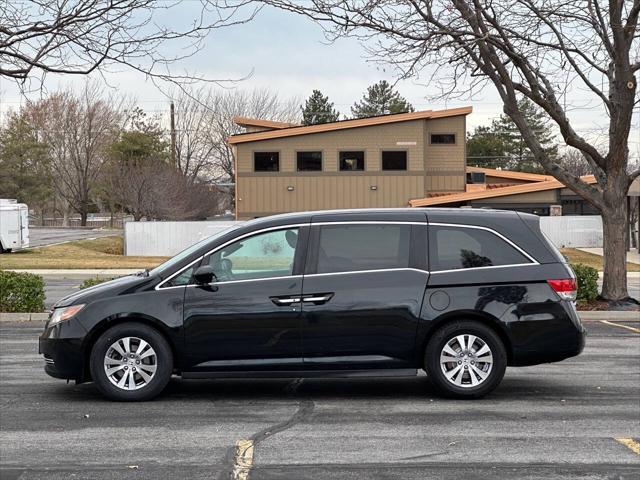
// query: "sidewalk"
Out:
[632,257]
[96,272]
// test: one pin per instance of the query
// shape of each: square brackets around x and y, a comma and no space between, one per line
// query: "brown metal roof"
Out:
[496,192]
[345,124]
[257,122]
[532,177]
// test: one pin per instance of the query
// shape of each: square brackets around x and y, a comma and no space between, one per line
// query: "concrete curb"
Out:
[612,316]
[24,317]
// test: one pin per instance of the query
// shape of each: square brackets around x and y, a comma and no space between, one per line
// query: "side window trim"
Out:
[532,260]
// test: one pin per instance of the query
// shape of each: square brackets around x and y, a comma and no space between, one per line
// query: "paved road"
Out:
[39,237]
[557,421]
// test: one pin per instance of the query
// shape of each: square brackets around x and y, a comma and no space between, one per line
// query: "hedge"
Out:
[21,292]
[587,282]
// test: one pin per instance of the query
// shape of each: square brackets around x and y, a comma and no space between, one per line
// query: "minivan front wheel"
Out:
[465,359]
[131,362]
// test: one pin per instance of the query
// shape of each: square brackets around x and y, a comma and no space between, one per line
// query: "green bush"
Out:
[21,292]
[90,282]
[587,282]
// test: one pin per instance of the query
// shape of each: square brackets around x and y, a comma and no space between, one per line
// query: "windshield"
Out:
[178,258]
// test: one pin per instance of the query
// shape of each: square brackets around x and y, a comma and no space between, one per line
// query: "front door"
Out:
[249,318]
[362,295]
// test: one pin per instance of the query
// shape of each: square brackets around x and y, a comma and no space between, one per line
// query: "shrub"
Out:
[21,292]
[90,282]
[587,282]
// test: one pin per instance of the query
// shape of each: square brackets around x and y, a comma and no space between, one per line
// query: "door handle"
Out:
[283,302]
[318,298]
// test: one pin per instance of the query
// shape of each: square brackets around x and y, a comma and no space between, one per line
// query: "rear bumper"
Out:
[61,346]
[547,337]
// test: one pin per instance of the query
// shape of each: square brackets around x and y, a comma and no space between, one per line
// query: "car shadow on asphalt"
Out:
[411,388]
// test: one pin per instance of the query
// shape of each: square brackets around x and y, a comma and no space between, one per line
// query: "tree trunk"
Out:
[83,216]
[614,228]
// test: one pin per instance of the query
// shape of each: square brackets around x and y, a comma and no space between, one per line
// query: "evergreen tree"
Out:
[380,99]
[318,109]
[502,145]
[520,157]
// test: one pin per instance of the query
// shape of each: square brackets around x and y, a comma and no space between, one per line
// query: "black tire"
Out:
[435,371]
[163,362]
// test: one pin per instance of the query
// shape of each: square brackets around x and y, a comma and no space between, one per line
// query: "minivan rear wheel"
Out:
[131,362]
[465,359]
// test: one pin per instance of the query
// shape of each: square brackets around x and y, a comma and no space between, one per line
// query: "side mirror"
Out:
[204,275]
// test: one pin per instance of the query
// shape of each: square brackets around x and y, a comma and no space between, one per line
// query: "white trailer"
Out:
[14,225]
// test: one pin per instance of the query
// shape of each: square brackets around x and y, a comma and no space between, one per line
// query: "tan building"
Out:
[380,161]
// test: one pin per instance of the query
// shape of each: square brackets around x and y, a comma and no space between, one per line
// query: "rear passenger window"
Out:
[452,248]
[348,248]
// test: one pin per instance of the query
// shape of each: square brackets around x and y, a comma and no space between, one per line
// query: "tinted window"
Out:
[394,160]
[443,138]
[453,248]
[352,161]
[346,248]
[266,161]
[309,161]
[264,255]
[183,279]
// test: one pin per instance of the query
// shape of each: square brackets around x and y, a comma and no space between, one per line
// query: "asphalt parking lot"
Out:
[553,421]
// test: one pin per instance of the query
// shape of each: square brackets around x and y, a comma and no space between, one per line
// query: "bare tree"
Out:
[204,120]
[574,162]
[541,50]
[82,36]
[78,130]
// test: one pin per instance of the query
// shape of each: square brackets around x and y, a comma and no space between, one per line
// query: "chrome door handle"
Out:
[318,298]
[285,301]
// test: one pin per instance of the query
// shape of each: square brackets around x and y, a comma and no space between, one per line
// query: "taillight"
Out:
[566,288]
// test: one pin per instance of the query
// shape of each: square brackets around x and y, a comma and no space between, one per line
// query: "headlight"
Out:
[64,313]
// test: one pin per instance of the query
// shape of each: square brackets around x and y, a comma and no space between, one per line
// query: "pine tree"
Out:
[318,109]
[519,156]
[380,99]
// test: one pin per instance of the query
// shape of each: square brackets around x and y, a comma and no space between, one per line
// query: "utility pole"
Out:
[173,135]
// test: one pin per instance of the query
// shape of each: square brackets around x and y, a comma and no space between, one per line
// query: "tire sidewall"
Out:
[146,333]
[446,333]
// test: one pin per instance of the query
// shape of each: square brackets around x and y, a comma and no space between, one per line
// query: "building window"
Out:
[266,161]
[309,161]
[394,160]
[352,161]
[443,138]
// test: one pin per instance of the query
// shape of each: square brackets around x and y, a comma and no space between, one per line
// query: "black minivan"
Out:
[460,293]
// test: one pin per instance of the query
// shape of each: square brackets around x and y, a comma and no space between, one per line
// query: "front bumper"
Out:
[61,346]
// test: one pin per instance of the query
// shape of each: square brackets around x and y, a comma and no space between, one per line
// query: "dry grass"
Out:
[103,252]
[578,256]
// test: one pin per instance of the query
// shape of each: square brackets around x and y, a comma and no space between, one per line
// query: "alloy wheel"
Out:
[130,363]
[466,361]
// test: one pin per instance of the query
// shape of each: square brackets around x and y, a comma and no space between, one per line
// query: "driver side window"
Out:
[265,255]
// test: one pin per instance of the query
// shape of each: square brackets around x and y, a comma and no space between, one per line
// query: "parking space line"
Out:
[630,443]
[633,329]
[243,459]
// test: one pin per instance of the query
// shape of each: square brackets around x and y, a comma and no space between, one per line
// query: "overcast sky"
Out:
[289,54]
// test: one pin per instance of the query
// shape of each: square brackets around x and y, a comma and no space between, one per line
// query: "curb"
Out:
[24,317]
[612,316]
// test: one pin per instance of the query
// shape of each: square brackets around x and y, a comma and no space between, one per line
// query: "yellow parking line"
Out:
[630,443]
[243,460]
[633,329]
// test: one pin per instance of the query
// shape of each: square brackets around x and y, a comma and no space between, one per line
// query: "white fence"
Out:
[169,238]
[573,231]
